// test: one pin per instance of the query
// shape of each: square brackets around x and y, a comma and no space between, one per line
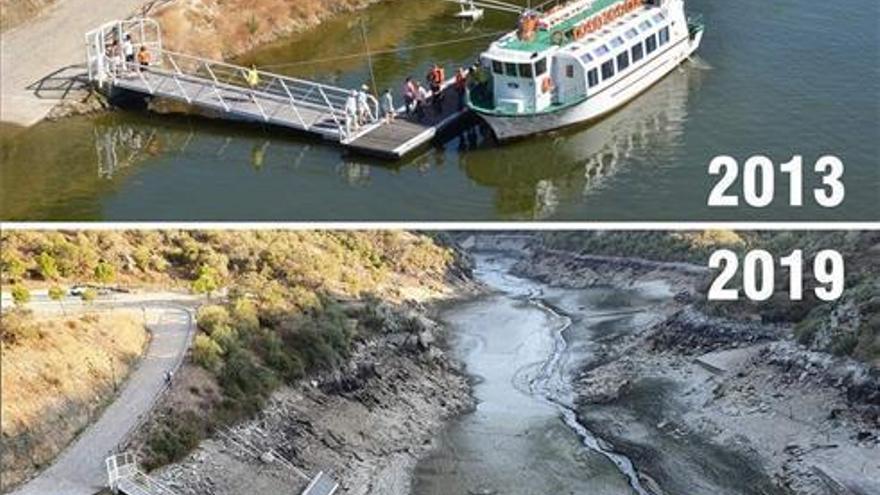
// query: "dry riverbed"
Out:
[692,393]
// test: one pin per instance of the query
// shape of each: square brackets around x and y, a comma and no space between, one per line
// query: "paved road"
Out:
[46,45]
[79,470]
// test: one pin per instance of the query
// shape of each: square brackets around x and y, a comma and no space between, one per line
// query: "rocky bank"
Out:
[716,392]
[366,423]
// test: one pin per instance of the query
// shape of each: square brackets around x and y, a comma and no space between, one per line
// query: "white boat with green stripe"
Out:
[579,61]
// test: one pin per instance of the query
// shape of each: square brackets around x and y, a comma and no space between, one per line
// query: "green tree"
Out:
[47,266]
[206,281]
[89,295]
[20,295]
[104,272]
[56,293]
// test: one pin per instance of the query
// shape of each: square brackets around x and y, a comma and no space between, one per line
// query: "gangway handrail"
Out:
[326,102]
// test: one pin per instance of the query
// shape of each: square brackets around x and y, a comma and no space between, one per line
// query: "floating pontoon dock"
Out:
[223,89]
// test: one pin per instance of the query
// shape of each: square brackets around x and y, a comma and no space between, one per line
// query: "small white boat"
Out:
[469,11]
[579,62]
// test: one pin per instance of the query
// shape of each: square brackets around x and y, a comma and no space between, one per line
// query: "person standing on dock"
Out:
[388,106]
[409,95]
[143,58]
[422,96]
[351,113]
[128,52]
[363,106]
[461,86]
[253,77]
[436,78]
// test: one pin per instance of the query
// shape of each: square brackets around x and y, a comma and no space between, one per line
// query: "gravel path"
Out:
[79,470]
[53,42]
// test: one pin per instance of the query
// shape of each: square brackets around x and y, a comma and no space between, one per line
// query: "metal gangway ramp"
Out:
[230,91]
[124,476]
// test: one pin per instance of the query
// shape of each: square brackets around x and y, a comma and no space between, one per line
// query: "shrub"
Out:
[12,266]
[844,344]
[246,384]
[174,439]
[89,295]
[244,316]
[20,295]
[212,317]
[207,353]
[105,273]
[206,281]
[47,267]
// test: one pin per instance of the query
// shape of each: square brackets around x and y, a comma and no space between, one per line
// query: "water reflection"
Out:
[577,162]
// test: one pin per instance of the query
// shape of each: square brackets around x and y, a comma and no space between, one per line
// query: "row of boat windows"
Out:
[625,58]
[618,40]
[523,70]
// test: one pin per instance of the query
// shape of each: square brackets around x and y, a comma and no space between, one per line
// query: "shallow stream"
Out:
[523,344]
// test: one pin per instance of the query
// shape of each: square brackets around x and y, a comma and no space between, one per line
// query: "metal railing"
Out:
[124,476]
[308,105]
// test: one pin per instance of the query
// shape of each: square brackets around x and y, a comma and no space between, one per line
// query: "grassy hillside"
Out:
[849,326]
[56,375]
[284,316]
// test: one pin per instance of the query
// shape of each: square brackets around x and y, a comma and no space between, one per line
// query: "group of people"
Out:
[357,109]
[416,96]
[122,56]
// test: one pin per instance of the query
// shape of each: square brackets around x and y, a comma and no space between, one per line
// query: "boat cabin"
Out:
[575,57]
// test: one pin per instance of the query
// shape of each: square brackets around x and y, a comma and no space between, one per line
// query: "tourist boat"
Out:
[578,62]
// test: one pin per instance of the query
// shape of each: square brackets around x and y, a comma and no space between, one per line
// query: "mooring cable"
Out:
[384,52]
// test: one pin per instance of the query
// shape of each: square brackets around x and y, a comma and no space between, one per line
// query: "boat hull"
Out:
[508,127]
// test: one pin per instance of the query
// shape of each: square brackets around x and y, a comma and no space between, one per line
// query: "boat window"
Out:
[651,44]
[497,67]
[593,77]
[622,61]
[638,52]
[632,33]
[541,67]
[569,71]
[616,42]
[509,69]
[586,58]
[664,35]
[525,70]
[645,25]
[602,50]
[659,17]
[608,70]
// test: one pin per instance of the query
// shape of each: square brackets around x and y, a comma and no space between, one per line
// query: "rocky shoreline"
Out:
[720,393]
[367,423]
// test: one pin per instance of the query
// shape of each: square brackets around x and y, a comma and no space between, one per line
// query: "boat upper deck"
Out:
[545,39]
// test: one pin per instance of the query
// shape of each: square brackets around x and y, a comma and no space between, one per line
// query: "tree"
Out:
[20,295]
[56,293]
[104,273]
[47,266]
[206,281]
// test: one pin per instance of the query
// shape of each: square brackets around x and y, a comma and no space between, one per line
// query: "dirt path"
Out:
[79,470]
[40,57]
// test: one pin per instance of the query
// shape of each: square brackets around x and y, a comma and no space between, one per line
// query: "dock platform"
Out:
[246,94]
[409,132]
